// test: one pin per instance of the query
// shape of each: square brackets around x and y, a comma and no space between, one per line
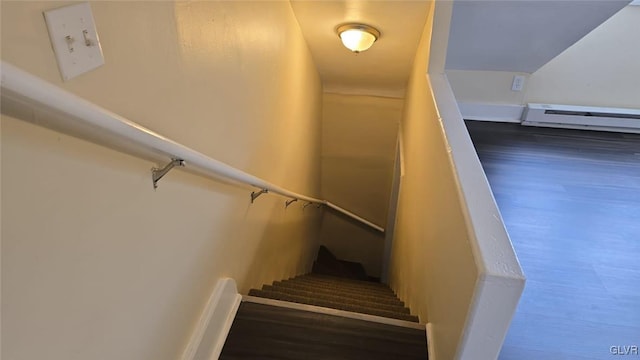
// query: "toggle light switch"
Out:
[74,39]
[70,42]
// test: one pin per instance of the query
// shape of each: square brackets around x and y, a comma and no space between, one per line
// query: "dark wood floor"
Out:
[571,203]
[268,332]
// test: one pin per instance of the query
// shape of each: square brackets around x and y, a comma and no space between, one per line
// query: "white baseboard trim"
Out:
[575,117]
[491,112]
[215,322]
[430,343]
[334,312]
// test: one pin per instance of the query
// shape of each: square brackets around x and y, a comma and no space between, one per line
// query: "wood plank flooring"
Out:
[269,332]
[571,202]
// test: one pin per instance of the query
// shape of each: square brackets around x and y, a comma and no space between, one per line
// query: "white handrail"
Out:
[19,85]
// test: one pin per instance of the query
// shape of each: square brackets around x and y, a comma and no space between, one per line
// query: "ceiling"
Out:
[520,35]
[491,35]
[382,70]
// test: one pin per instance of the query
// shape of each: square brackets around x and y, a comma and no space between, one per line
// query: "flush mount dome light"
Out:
[358,37]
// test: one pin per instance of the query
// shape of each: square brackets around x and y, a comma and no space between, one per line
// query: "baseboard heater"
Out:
[582,117]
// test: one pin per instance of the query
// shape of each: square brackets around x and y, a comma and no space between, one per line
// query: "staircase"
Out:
[335,312]
[338,293]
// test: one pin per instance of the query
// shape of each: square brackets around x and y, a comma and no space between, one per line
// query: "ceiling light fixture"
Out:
[357,37]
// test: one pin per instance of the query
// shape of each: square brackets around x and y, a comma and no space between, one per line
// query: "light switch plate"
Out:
[74,39]
[518,83]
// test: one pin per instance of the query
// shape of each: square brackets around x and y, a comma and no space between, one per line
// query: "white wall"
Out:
[485,87]
[499,282]
[432,266]
[602,69]
[487,95]
[599,70]
[520,36]
[98,265]
[452,258]
[359,135]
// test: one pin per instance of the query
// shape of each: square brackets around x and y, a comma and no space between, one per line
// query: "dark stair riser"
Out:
[345,286]
[315,276]
[325,290]
[385,300]
[332,305]
[337,298]
[333,279]
[337,287]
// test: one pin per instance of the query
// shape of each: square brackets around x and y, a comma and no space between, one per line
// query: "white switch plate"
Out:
[518,83]
[74,39]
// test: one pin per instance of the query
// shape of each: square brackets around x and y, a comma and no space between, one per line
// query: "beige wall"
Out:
[432,267]
[602,69]
[485,87]
[359,135]
[98,265]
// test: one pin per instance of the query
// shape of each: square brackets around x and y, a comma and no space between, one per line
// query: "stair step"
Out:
[270,332]
[330,304]
[386,299]
[330,278]
[334,312]
[333,289]
[390,305]
[320,278]
[360,285]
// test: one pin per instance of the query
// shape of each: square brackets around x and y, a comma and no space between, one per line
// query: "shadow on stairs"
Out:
[320,316]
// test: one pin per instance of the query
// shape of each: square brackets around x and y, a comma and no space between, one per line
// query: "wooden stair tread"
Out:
[339,298]
[350,293]
[342,281]
[268,332]
[386,300]
[333,290]
[333,304]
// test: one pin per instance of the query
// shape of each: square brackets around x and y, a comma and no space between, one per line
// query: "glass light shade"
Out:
[357,37]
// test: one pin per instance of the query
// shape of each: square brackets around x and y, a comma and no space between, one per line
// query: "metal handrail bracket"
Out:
[256,194]
[289,202]
[157,174]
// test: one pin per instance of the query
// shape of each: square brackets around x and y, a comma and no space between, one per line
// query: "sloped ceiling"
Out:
[382,70]
[520,35]
[493,35]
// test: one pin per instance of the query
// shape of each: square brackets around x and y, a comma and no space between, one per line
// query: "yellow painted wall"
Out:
[432,268]
[359,135]
[98,265]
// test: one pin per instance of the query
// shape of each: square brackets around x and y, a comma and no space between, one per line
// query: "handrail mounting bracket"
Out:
[157,174]
[289,202]
[255,195]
